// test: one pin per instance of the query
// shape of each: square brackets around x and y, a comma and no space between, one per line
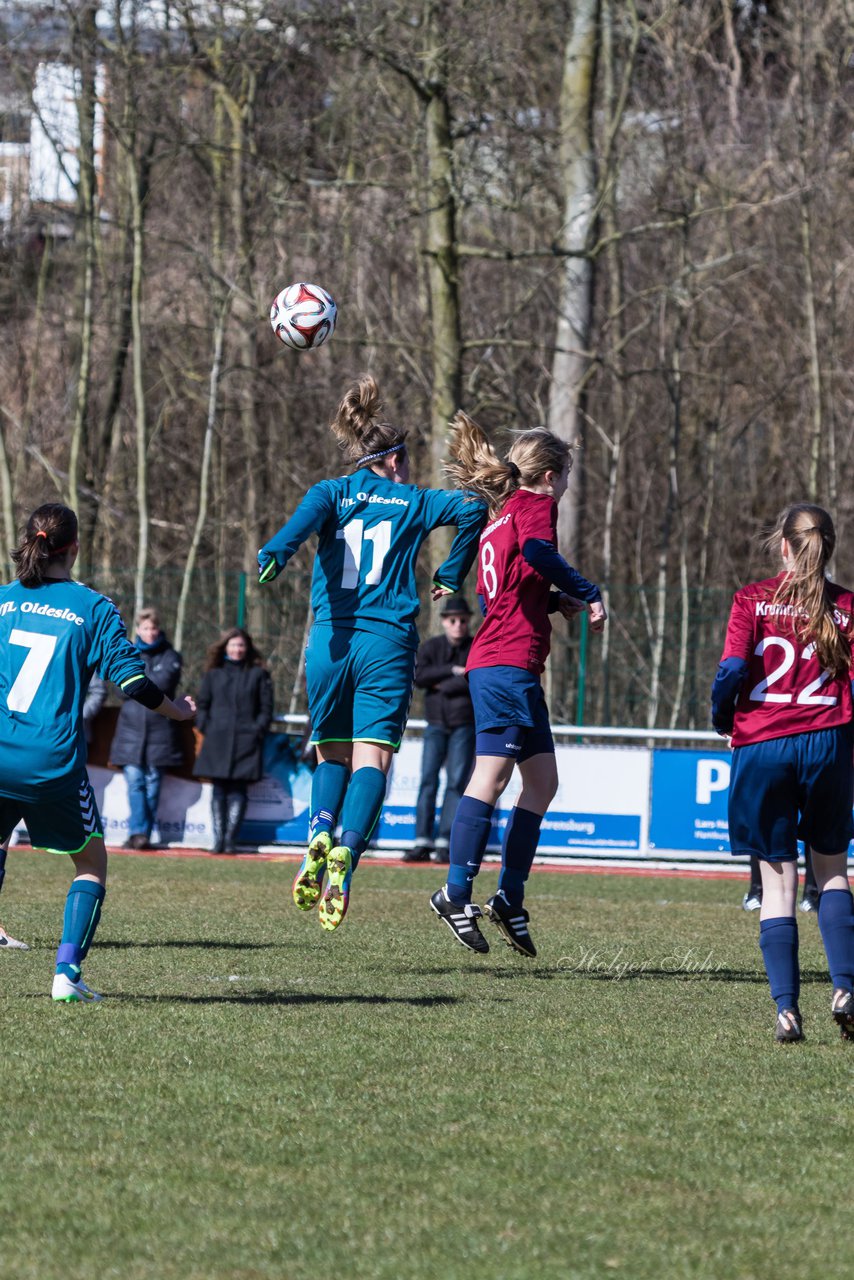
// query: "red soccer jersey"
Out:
[516,630]
[785,691]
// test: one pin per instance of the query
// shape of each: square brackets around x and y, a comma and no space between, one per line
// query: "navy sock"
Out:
[517,854]
[3,853]
[82,913]
[469,838]
[836,922]
[328,784]
[778,939]
[363,805]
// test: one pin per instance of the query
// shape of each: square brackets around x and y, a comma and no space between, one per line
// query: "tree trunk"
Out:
[84,38]
[204,477]
[572,335]
[442,245]
[138,383]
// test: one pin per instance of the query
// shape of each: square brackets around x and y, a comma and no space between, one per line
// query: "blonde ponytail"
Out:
[475,465]
[812,540]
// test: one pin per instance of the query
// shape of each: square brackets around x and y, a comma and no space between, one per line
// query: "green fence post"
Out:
[582,668]
[241,600]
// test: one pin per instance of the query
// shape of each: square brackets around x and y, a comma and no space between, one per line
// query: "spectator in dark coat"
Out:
[234,710]
[449,738]
[145,743]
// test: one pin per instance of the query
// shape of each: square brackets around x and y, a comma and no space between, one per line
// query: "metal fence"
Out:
[643,675]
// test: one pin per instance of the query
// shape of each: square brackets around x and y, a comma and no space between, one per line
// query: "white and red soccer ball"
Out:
[303,316]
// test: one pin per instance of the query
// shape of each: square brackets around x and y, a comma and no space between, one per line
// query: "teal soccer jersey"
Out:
[369,533]
[52,638]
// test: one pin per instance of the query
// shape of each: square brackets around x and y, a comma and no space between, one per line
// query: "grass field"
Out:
[259,1099]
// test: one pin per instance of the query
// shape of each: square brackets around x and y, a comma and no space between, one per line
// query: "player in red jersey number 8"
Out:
[522,580]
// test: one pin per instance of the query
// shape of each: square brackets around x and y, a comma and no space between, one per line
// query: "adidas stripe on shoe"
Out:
[512,923]
[461,918]
[68,992]
[308,881]
[788,1029]
[843,1013]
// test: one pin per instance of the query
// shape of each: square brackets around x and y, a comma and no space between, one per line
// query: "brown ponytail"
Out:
[475,465]
[51,532]
[361,433]
[812,540]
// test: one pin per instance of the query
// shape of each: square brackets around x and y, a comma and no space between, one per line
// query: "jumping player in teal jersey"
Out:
[54,633]
[360,656]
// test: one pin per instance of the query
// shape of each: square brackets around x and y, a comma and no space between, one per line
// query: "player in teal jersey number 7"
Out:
[54,633]
[360,656]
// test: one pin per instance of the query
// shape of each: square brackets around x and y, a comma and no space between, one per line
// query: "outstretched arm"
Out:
[308,518]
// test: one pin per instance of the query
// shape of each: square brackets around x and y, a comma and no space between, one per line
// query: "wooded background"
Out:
[631,222]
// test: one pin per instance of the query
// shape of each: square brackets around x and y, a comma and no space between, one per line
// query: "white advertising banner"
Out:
[602,802]
[612,802]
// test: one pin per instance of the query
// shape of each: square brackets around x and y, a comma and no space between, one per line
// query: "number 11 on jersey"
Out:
[355,535]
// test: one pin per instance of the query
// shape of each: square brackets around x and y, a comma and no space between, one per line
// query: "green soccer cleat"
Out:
[336,895]
[309,879]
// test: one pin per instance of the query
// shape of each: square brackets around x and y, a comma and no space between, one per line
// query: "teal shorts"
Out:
[359,686]
[60,824]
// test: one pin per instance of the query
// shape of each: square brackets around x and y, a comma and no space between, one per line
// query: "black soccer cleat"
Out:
[461,918]
[843,1013]
[788,1029]
[512,923]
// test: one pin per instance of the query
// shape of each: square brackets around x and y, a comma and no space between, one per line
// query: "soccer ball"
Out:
[303,316]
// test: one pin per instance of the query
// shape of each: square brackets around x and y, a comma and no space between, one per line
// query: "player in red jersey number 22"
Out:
[783,693]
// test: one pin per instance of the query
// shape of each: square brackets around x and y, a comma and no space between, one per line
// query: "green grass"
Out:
[257,1099]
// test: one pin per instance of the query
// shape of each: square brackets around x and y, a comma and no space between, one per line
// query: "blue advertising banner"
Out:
[689,801]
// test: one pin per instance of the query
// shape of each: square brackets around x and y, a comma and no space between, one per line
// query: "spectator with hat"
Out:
[440,670]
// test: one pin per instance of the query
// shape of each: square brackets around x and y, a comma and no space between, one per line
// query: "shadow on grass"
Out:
[203,944]
[641,973]
[258,998]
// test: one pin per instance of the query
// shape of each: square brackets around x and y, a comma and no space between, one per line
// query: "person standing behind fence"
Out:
[360,655]
[54,633]
[783,694]
[519,566]
[234,710]
[440,669]
[144,744]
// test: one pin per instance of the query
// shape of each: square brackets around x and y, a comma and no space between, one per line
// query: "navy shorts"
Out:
[789,789]
[359,686]
[510,713]
[60,824]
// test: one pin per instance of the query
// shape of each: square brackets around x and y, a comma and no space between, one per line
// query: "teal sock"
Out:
[363,805]
[82,913]
[328,785]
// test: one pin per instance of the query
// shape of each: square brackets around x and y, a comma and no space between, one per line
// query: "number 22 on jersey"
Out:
[355,535]
[809,696]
